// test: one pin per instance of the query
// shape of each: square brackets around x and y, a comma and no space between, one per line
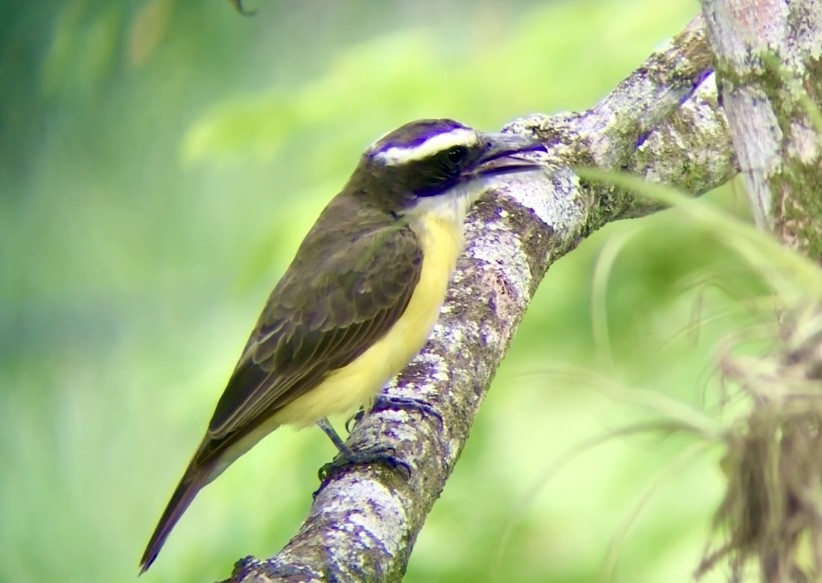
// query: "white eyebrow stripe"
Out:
[438,143]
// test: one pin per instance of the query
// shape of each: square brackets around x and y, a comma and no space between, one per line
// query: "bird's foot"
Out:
[377,454]
[354,420]
[347,457]
[385,402]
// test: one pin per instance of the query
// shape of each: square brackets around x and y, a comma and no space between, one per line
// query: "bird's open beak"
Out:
[503,155]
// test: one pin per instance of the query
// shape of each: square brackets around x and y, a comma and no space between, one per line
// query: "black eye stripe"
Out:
[456,154]
[434,175]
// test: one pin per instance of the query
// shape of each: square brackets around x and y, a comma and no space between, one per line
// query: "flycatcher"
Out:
[360,297]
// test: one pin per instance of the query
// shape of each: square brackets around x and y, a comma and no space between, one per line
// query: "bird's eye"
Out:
[456,155]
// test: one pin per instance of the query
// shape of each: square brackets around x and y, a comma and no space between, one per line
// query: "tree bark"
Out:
[769,65]
[662,123]
[768,56]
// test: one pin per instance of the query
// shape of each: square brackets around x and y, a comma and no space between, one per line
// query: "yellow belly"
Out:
[346,389]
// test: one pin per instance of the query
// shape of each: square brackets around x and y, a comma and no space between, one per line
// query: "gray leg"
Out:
[366,455]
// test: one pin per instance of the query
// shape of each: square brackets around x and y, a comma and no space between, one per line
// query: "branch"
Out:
[661,122]
[769,66]
[769,59]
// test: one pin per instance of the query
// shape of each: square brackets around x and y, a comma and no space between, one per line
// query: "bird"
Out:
[360,297]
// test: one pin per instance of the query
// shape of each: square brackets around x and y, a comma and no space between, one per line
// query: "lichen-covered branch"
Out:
[661,122]
[769,65]
[769,70]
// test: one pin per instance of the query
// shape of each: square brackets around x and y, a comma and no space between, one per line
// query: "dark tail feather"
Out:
[193,480]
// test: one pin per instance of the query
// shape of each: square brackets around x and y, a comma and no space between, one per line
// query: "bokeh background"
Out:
[159,162]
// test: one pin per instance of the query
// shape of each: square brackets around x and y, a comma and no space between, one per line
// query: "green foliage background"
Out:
[159,162]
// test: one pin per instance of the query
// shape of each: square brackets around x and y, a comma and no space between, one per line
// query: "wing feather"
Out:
[307,331]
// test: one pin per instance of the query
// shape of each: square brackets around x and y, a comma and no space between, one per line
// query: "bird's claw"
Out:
[385,402]
[372,455]
[352,421]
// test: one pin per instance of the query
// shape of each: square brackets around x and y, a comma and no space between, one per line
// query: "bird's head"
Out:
[436,164]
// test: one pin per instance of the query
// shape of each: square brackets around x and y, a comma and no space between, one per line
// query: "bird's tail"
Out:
[195,477]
